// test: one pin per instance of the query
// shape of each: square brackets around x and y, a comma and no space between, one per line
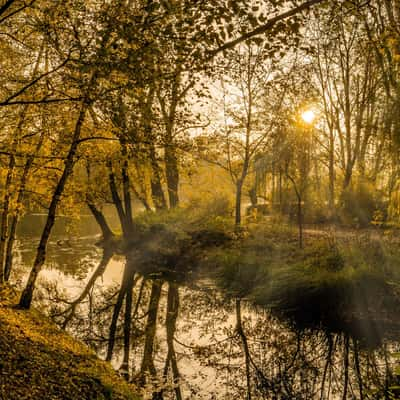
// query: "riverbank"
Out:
[342,281]
[39,361]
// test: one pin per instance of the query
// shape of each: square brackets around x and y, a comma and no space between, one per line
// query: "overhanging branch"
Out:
[266,27]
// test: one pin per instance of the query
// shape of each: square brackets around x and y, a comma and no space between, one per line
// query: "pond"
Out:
[204,345]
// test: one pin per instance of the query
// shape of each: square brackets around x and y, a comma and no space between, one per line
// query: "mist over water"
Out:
[214,357]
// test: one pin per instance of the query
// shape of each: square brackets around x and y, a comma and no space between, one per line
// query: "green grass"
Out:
[344,283]
[38,361]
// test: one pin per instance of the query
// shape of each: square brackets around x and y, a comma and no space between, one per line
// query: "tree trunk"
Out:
[99,271]
[127,280]
[273,190]
[238,203]
[239,329]
[331,200]
[126,191]
[101,221]
[328,363]
[358,369]
[299,209]
[346,345]
[172,315]
[347,177]
[27,294]
[19,203]
[8,262]
[4,216]
[300,221]
[157,192]
[4,227]
[6,253]
[150,332]
[280,191]
[172,174]
[117,201]
[124,369]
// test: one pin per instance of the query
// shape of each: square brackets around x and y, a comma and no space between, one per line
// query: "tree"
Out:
[298,166]
[349,86]
[89,82]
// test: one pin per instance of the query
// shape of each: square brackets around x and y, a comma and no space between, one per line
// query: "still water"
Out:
[217,348]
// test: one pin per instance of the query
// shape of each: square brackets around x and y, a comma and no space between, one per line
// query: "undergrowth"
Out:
[336,282]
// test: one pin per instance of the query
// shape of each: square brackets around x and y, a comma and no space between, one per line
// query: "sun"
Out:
[308,116]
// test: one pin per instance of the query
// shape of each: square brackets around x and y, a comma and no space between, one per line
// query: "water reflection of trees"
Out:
[156,329]
[282,363]
[171,338]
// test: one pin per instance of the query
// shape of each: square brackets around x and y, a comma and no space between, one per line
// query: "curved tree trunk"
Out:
[70,312]
[27,294]
[101,221]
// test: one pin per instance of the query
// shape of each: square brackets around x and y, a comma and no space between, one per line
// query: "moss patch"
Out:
[38,361]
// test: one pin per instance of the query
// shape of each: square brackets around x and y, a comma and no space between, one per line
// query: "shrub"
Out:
[360,205]
[325,255]
[237,274]
[219,206]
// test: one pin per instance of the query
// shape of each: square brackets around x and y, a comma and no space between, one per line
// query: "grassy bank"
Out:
[348,281]
[38,361]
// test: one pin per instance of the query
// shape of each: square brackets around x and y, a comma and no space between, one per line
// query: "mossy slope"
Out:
[38,361]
